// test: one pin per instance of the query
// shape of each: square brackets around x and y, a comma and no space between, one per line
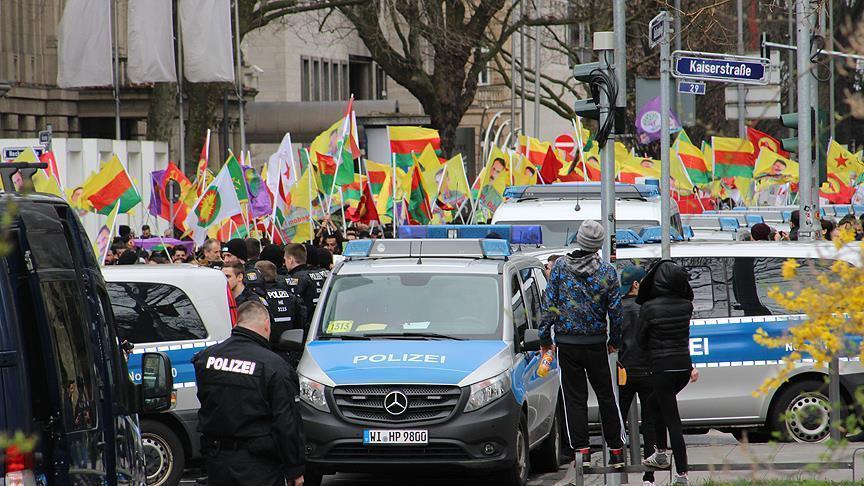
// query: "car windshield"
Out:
[412,306]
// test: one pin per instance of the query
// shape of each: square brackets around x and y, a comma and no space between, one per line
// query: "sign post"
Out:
[665,190]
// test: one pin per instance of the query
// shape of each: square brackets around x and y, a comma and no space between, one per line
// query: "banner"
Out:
[648,122]
[208,55]
[151,42]
[84,44]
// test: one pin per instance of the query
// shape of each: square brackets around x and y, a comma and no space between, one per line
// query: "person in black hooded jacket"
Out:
[664,330]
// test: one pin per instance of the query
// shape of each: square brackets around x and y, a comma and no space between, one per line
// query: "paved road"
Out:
[713,448]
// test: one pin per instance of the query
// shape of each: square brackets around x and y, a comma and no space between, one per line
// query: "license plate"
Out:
[400,437]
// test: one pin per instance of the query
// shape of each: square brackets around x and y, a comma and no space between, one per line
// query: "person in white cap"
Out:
[582,291]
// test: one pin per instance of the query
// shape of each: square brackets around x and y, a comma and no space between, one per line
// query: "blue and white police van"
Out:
[424,351]
[731,283]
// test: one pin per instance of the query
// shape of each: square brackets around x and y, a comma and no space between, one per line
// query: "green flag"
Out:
[237,178]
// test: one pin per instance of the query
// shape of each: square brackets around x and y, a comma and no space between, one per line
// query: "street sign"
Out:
[12,153]
[691,87]
[565,143]
[706,66]
[656,29]
[44,137]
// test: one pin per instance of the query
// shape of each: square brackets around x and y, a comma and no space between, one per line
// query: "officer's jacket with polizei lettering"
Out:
[248,391]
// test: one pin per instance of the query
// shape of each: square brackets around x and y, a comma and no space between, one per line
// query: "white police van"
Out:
[560,208]
[423,353]
[730,285]
[177,310]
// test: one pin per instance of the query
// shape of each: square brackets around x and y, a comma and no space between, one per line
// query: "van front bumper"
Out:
[463,441]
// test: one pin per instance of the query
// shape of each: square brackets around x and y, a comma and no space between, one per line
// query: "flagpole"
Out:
[112,13]
[577,128]
[239,77]
[342,205]
[311,219]
[393,196]
[180,96]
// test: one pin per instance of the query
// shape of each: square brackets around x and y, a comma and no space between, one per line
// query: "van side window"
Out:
[707,279]
[753,278]
[520,316]
[71,345]
[153,313]
[532,296]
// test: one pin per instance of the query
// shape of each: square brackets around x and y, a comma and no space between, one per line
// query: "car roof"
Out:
[537,210]
[755,249]
[480,266]
[147,272]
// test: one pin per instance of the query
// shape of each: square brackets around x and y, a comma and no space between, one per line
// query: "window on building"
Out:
[345,81]
[154,312]
[304,79]
[316,80]
[335,82]
[484,78]
[361,77]
[325,81]
[380,83]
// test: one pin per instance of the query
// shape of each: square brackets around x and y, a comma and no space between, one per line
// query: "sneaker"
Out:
[586,456]
[647,483]
[681,479]
[658,460]
[616,458]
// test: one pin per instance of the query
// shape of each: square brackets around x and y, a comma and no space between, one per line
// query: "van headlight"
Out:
[312,393]
[487,391]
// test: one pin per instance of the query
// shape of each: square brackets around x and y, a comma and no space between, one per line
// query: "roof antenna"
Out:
[420,254]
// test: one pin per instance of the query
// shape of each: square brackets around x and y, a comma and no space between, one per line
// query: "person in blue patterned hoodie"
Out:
[582,291]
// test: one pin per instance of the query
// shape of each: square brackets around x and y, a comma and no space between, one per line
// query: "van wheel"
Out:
[546,457]
[801,412]
[163,453]
[517,474]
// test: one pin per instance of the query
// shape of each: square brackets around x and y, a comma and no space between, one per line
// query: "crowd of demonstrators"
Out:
[825,228]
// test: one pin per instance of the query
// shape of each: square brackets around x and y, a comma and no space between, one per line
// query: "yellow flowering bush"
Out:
[834,309]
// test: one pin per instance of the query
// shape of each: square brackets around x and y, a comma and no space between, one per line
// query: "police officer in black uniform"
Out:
[236,275]
[249,417]
[286,309]
[302,279]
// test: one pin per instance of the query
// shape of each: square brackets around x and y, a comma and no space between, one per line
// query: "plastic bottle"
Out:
[545,364]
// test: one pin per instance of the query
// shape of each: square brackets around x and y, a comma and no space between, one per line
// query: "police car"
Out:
[178,310]
[423,352]
[560,208]
[730,284]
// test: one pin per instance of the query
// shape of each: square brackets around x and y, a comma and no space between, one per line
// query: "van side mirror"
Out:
[157,384]
[291,340]
[531,340]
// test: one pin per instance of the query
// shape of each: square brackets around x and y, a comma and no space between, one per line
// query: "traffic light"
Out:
[789,120]
[586,108]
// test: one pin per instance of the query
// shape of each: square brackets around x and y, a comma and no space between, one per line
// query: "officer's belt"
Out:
[228,443]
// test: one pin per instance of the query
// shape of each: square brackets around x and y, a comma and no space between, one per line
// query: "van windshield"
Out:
[560,233]
[413,306]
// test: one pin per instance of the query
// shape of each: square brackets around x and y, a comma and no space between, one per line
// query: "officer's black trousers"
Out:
[239,468]
[591,361]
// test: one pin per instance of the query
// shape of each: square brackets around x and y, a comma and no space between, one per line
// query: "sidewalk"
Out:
[762,454]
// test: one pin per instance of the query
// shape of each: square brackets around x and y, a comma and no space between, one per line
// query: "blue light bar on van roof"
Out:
[627,237]
[357,248]
[514,234]
[495,248]
[653,234]
[589,188]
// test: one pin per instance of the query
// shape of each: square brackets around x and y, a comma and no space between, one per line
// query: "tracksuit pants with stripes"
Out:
[581,364]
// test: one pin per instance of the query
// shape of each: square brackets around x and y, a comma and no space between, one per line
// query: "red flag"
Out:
[761,139]
[550,168]
[48,158]
[366,211]
[173,176]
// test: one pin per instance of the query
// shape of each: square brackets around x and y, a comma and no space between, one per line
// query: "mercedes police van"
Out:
[730,284]
[560,208]
[423,352]
[64,383]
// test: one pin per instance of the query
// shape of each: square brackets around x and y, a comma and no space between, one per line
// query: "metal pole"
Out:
[790,62]
[742,114]
[512,79]
[521,70]
[831,87]
[834,397]
[665,197]
[239,77]
[805,232]
[537,81]
[679,105]
[817,128]
[180,96]
[113,7]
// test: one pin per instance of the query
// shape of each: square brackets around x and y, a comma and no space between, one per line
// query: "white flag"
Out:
[281,167]
[84,44]
[151,42]
[206,32]
[217,203]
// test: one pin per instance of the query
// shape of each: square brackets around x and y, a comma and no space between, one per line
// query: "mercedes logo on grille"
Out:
[395,403]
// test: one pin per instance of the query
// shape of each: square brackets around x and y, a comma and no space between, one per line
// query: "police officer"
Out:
[286,309]
[302,279]
[235,273]
[249,417]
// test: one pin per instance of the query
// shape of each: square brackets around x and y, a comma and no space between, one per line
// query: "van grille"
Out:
[426,403]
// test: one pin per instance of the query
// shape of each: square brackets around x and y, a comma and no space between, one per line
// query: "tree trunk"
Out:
[160,116]
[203,100]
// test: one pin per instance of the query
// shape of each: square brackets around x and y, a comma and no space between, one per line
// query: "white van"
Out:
[560,208]
[178,310]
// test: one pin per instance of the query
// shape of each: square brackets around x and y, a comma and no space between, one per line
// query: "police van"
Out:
[560,208]
[423,352]
[177,310]
[64,382]
[730,285]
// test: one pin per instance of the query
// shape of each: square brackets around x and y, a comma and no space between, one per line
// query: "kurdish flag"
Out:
[378,176]
[419,210]
[351,193]
[693,160]
[238,178]
[733,157]
[110,186]
[217,203]
[407,140]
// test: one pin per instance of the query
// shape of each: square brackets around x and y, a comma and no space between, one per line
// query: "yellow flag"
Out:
[431,169]
[43,183]
[496,178]
[843,166]
[773,168]
[299,211]
[326,142]
[526,172]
